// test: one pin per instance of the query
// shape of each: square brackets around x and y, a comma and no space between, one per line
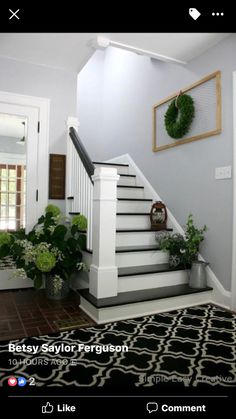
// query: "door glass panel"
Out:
[13,137]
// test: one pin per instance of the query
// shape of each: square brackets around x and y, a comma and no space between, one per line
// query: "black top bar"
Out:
[88,165]
[167,17]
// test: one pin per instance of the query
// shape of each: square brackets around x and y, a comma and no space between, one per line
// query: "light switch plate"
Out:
[223,172]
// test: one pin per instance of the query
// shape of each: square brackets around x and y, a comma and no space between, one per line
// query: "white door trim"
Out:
[233,276]
[43,106]
[31,160]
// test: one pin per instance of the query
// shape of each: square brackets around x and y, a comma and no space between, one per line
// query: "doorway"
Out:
[18,167]
[24,129]
[12,172]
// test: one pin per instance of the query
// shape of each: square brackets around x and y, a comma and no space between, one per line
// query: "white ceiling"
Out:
[70,51]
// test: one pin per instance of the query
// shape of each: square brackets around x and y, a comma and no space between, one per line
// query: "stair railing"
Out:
[93,192]
[80,170]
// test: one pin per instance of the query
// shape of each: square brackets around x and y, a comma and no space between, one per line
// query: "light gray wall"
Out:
[90,91]
[42,81]
[183,176]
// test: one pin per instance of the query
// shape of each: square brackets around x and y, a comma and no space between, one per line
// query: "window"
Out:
[12,196]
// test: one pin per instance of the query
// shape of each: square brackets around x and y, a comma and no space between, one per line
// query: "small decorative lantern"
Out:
[158,216]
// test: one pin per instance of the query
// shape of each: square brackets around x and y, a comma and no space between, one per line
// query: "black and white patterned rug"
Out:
[190,347]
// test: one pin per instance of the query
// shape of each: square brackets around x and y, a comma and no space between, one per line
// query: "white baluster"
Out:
[78,183]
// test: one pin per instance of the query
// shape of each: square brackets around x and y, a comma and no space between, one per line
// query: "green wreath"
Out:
[179,116]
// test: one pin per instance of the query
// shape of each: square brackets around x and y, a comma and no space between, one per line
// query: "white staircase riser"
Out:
[134,206]
[127,181]
[155,280]
[129,311]
[120,169]
[135,239]
[133,221]
[152,257]
[130,193]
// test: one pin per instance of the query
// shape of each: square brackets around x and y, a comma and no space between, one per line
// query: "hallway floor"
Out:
[191,347]
[28,312]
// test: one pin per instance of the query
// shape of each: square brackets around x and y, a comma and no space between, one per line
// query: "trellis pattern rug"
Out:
[190,347]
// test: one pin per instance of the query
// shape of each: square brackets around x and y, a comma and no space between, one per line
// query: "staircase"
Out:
[128,275]
[145,282]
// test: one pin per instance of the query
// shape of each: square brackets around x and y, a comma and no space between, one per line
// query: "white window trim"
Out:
[43,105]
[233,276]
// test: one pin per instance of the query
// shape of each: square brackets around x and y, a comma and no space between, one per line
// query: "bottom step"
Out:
[133,304]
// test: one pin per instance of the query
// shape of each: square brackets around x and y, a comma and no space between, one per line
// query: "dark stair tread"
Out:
[130,186]
[123,174]
[134,199]
[74,213]
[110,164]
[130,249]
[141,230]
[146,269]
[141,295]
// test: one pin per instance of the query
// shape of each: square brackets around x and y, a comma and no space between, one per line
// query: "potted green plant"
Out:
[193,238]
[183,249]
[174,244]
[50,253]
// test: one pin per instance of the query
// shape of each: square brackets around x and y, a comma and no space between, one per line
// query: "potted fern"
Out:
[183,249]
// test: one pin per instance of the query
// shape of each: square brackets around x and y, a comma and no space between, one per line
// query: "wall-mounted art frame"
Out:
[206,94]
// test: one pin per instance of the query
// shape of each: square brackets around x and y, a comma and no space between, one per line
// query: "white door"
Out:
[18,150]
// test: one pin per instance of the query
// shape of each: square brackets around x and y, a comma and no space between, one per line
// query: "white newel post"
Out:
[70,122]
[103,271]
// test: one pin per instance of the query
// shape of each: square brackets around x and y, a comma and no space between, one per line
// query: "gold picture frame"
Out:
[217,130]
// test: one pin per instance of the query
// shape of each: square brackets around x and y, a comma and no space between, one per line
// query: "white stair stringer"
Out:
[130,311]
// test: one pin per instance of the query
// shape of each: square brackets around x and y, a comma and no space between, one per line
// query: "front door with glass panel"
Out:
[18,167]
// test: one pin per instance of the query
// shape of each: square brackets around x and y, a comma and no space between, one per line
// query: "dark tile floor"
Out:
[29,313]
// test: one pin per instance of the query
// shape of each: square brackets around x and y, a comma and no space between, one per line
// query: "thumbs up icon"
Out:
[48,408]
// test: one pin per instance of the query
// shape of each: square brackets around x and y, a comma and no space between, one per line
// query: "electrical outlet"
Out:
[223,172]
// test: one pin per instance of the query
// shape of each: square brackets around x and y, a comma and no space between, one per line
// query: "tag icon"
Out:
[194,13]
[12,381]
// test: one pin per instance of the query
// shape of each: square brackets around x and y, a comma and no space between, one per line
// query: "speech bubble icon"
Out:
[194,13]
[152,407]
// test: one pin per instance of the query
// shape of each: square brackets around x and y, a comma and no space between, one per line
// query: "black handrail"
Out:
[87,162]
